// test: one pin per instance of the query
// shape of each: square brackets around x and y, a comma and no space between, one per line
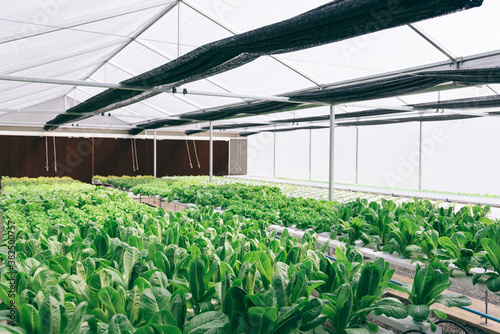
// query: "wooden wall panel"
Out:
[26,156]
[173,157]
[114,157]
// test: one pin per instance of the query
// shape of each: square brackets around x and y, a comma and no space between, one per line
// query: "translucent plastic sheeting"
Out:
[31,18]
[171,104]
[461,92]
[325,24]
[345,155]
[191,25]
[138,112]
[41,16]
[20,99]
[104,121]
[27,119]
[58,43]
[163,34]
[263,76]
[292,154]
[365,55]
[137,59]
[260,154]
[467,33]
[208,86]
[474,169]
[109,73]
[166,49]
[42,49]
[13,89]
[244,15]
[88,61]
[389,155]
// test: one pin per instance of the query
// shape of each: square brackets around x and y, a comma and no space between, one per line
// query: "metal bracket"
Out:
[457,63]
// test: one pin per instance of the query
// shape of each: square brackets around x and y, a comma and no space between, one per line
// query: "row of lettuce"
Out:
[419,230]
[91,260]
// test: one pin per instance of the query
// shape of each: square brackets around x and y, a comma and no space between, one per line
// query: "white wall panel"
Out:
[388,155]
[462,156]
[260,154]
[292,154]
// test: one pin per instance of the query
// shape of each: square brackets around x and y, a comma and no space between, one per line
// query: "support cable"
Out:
[189,154]
[196,154]
[136,160]
[55,154]
[46,154]
[133,156]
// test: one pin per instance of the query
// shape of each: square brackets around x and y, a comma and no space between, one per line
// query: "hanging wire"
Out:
[196,154]
[46,154]
[133,156]
[136,160]
[189,154]
[55,154]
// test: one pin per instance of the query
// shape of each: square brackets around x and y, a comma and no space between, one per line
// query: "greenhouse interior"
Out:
[237,166]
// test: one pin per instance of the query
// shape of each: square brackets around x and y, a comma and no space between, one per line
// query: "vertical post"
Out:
[274,154]
[332,151]
[154,154]
[211,158]
[229,158]
[310,154]
[420,158]
[178,28]
[485,322]
[357,154]
[93,155]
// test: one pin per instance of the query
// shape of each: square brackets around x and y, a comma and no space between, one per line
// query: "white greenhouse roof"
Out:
[111,41]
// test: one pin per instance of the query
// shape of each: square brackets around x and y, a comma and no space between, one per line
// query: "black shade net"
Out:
[252,108]
[469,103]
[436,118]
[303,119]
[193,132]
[399,120]
[157,125]
[399,85]
[250,133]
[334,21]
[235,126]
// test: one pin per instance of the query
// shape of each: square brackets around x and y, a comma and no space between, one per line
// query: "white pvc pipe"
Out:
[211,154]
[310,154]
[332,153]
[357,154]
[420,159]
[154,153]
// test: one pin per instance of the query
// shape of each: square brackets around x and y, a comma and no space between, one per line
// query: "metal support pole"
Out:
[178,28]
[485,322]
[357,155]
[274,154]
[211,163]
[332,151]
[229,157]
[154,154]
[420,159]
[310,155]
